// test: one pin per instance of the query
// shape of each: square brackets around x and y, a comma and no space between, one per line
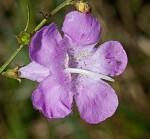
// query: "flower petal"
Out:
[45,45]
[96,100]
[81,28]
[109,59]
[34,71]
[53,96]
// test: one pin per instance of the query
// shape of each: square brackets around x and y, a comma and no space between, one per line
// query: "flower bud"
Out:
[23,37]
[83,7]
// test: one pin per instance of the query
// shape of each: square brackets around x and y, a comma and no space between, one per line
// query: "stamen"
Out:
[90,73]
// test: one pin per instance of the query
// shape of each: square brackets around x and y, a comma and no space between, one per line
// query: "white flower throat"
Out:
[88,73]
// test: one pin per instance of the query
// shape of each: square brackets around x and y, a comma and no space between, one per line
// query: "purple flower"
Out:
[71,67]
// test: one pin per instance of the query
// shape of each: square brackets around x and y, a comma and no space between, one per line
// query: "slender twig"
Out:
[67,2]
[28,18]
[11,58]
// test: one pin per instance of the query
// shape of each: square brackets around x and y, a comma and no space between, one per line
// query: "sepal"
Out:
[12,73]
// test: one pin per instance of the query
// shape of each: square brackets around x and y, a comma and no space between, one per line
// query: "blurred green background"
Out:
[127,21]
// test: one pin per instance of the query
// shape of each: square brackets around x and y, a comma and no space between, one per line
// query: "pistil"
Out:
[90,74]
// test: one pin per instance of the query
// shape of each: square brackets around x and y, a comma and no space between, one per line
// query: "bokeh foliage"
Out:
[122,20]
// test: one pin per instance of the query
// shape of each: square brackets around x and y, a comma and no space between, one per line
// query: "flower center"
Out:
[92,74]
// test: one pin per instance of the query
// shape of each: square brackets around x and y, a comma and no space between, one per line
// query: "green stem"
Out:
[28,19]
[67,2]
[11,58]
